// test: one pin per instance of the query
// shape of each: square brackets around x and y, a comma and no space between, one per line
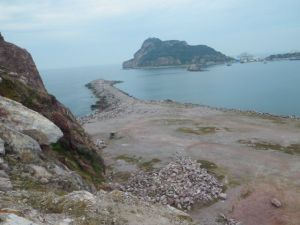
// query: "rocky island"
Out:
[157,53]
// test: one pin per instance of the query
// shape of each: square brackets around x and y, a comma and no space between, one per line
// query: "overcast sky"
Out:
[68,33]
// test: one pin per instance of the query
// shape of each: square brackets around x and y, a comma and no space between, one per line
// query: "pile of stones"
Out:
[182,183]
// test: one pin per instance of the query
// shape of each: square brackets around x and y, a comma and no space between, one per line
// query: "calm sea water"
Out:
[273,87]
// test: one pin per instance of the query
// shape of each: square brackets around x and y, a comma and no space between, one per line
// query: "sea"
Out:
[272,88]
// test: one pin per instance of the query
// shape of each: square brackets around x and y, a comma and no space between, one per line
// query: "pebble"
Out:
[275,202]
[223,196]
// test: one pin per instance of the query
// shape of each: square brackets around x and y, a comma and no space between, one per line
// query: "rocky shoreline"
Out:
[110,97]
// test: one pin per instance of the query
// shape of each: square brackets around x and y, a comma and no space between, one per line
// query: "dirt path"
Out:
[257,156]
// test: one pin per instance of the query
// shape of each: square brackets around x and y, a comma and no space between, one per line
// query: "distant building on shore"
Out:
[246,57]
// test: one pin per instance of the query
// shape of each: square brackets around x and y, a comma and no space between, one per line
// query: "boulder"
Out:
[40,172]
[37,135]
[76,198]
[20,118]
[18,142]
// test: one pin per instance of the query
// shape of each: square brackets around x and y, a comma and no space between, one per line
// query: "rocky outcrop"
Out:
[156,53]
[20,64]
[23,157]
[20,81]
[22,119]
[17,142]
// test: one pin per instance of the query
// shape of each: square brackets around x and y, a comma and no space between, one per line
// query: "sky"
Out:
[74,33]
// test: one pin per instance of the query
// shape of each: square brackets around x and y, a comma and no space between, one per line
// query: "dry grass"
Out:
[142,164]
[263,145]
[198,130]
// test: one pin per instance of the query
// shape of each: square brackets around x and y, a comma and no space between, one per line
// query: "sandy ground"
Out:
[251,151]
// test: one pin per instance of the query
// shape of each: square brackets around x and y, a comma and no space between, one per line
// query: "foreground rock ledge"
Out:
[82,208]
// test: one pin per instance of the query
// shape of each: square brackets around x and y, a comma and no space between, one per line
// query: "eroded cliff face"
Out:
[21,82]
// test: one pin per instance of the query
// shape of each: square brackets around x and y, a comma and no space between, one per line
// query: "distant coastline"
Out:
[286,56]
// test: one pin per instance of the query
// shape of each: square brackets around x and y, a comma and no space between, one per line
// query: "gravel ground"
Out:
[248,149]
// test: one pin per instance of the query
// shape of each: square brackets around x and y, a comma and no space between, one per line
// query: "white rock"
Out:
[18,141]
[22,118]
[40,171]
[12,219]
[81,196]
[223,196]
[275,202]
